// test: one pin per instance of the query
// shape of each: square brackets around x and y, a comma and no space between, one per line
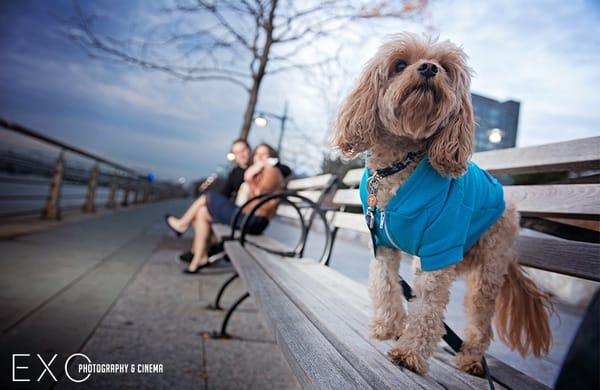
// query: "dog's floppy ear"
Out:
[451,147]
[356,124]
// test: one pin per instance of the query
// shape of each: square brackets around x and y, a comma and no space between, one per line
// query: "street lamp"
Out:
[495,135]
[260,120]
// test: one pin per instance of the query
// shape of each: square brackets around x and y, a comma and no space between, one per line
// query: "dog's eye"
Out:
[400,66]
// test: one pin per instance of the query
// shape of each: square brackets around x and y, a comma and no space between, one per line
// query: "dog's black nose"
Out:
[428,69]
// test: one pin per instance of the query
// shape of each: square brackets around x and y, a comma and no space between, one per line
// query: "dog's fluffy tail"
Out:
[522,312]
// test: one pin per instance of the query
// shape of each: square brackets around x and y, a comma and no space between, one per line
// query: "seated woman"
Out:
[229,187]
[262,177]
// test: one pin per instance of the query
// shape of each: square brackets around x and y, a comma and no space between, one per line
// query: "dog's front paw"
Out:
[469,364]
[407,358]
[385,330]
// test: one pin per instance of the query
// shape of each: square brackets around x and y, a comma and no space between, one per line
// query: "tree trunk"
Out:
[250,107]
[258,77]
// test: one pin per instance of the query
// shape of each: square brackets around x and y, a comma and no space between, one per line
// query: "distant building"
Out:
[496,123]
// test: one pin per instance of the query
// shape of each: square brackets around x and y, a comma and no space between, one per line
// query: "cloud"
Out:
[542,53]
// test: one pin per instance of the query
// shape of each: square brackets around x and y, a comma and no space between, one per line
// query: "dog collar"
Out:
[374,180]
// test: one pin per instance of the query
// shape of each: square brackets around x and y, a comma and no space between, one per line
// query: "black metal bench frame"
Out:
[297,252]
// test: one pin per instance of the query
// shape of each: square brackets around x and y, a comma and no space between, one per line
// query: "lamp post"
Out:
[261,121]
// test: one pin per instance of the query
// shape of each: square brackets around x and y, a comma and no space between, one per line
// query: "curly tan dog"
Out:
[413,96]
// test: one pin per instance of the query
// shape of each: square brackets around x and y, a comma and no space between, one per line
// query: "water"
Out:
[37,188]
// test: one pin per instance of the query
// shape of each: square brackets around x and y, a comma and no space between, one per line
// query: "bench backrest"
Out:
[573,201]
[314,188]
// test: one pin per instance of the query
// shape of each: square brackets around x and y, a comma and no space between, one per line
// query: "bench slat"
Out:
[320,181]
[221,230]
[287,211]
[313,359]
[352,177]
[579,259]
[581,223]
[340,286]
[577,155]
[349,197]
[352,221]
[312,194]
[573,258]
[573,200]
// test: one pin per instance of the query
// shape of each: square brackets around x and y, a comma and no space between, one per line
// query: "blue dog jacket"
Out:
[435,217]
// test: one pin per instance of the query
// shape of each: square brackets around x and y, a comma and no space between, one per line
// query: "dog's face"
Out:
[413,88]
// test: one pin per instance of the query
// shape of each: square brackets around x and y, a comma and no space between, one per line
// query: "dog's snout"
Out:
[428,69]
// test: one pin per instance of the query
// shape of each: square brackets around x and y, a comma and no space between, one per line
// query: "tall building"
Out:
[496,123]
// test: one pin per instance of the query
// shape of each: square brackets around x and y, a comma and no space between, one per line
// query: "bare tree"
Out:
[241,41]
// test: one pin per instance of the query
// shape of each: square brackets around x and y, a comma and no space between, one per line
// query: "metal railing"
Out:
[135,187]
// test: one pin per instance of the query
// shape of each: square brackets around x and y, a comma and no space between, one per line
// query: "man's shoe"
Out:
[186,256]
[214,249]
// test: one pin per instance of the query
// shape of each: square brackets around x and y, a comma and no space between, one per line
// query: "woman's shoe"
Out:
[177,232]
[187,271]
[186,256]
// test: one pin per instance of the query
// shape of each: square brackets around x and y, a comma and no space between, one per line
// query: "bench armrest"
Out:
[286,196]
[238,214]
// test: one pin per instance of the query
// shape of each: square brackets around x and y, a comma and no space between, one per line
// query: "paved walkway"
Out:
[162,318]
[111,288]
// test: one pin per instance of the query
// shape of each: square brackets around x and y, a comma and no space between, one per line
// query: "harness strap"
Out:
[398,165]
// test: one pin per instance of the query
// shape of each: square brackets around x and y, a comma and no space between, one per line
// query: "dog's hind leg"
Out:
[484,282]
[487,261]
[425,326]
[386,295]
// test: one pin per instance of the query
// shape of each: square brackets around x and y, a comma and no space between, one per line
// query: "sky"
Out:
[544,54]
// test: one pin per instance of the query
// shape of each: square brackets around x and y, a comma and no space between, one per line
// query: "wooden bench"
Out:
[319,317]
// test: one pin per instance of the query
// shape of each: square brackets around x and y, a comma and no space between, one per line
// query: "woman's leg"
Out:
[184,222]
[202,223]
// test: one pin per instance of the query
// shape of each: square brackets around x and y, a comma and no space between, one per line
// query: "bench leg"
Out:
[217,257]
[222,334]
[217,304]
